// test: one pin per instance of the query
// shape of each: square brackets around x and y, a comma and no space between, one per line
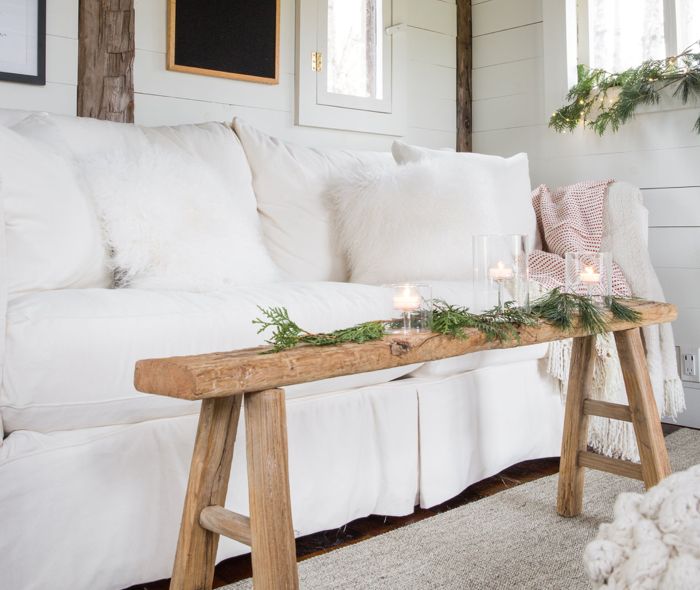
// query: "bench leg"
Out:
[207,486]
[575,435]
[645,415]
[272,533]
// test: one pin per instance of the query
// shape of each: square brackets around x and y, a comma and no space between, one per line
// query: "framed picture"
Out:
[23,41]
[227,38]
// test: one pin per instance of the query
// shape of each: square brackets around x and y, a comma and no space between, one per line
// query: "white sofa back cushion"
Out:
[510,181]
[414,222]
[290,183]
[10,117]
[52,238]
[172,223]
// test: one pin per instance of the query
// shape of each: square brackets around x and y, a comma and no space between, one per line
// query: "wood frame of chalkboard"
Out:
[248,77]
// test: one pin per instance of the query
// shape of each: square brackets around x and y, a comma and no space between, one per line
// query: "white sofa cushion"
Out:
[52,238]
[141,173]
[290,183]
[10,117]
[414,221]
[172,223]
[509,181]
[71,353]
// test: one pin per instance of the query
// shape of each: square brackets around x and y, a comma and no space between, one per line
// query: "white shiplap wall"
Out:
[658,151]
[164,97]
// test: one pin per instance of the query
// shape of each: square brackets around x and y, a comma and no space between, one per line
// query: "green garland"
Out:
[601,100]
[556,308]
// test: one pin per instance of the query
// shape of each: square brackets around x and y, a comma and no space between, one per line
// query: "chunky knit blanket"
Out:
[572,219]
[654,540]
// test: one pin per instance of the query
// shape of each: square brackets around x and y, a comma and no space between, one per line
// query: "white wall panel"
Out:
[673,206]
[433,15]
[507,46]
[506,78]
[498,15]
[675,247]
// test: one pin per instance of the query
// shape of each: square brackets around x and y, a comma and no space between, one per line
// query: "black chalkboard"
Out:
[227,38]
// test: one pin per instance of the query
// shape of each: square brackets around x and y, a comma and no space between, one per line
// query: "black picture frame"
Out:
[39,78]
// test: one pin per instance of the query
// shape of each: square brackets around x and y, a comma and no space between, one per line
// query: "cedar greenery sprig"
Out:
[495,324]
[601,100]
[556,308]
[287,334]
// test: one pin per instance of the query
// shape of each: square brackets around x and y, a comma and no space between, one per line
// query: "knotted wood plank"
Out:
[228,373]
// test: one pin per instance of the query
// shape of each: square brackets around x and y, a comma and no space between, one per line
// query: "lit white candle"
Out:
[408,299]
[589,275]
[500,272]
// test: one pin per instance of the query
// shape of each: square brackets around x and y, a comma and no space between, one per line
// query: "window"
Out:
[619,34]
[352,35]
[349,65]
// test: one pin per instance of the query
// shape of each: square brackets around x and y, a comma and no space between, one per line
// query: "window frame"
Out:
[334,111]
[583,36]
[324,97]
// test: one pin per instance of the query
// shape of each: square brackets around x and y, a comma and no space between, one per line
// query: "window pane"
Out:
[688,18]
[623,33]
[354,61]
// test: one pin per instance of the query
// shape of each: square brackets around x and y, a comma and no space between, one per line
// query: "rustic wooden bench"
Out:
[223,380]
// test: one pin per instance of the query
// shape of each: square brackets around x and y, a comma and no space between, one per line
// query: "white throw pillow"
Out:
[414,222]
[511,183]
[290,183]
[172,223]
[52,236]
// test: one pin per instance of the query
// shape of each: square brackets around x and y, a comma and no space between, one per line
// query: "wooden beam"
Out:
[610,465]
[464,75]
[224,522]
[228,373]
[106,60]
[592,407]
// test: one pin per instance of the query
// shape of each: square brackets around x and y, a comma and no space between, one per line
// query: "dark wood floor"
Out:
[239,568]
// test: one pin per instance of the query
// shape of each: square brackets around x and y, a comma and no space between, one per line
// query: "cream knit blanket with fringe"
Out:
[597,219]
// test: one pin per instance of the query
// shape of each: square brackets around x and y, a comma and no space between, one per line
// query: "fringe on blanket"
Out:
[674,397]
[612,438]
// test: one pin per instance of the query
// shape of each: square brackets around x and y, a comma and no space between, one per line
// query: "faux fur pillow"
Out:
[414,222]
[172,223]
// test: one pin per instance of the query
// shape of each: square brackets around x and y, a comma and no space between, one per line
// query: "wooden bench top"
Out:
[221,374]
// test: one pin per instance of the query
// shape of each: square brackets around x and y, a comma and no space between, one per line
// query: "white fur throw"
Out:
[172,223]
[653,541]
[414,222]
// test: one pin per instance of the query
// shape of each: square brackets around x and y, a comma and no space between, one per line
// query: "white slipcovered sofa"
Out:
[93,474]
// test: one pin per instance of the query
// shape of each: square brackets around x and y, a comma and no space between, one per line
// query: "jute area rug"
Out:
[512,540]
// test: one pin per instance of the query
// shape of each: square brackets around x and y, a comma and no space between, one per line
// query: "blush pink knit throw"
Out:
[569,219]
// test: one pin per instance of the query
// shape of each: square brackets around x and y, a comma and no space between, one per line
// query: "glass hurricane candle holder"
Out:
[413,308]
[500,271]
[589,273]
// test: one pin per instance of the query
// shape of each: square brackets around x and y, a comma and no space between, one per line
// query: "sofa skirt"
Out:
[100,507]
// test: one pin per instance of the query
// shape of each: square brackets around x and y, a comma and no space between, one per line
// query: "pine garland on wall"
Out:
[603,101]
